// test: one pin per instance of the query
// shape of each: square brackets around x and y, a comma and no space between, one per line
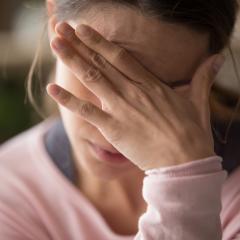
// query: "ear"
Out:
[52,20]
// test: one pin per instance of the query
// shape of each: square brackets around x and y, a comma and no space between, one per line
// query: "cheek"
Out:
[66,79]
[76,126]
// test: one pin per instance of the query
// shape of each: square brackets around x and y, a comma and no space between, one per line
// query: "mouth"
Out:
[113,158]
[111,151]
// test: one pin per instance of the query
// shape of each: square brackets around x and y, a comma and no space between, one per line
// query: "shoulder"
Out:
[17,151]
[21,161]
[17,184]
[21,155]
[23,175]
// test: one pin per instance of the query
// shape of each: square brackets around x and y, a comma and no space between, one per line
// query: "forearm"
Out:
[184,202]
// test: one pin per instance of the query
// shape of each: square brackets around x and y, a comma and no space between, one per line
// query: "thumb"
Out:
[201,86]
[204,78]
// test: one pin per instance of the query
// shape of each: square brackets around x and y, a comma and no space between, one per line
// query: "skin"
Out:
[166,52]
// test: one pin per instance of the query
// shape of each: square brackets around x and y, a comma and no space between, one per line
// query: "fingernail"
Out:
[83,30]
[218,63]
[53,90]
[65,29]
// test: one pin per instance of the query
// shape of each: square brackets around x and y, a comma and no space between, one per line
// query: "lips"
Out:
[113,151]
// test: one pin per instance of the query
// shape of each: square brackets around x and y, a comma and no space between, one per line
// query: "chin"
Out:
[85,157]
[104,174]
[90,164]
[102,170]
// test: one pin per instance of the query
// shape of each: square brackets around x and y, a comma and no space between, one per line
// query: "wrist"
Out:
[177,159]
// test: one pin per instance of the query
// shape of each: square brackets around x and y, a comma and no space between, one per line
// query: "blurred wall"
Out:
[8,9]
[21,27]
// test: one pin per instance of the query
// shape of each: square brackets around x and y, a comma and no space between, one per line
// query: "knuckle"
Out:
[138,94]
[116,132]
[119,55]
[68,54]
[85,109]
[205,75]
[79,44]
[142,86]
[99,61]
[65,97]
[96,39]
[160,90]
[142,97]
[73,61]
[211,75]
[92,75]
[70,36]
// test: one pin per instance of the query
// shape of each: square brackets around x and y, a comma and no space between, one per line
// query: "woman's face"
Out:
[172,52]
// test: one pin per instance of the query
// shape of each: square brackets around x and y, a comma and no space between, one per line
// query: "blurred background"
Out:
[21,27]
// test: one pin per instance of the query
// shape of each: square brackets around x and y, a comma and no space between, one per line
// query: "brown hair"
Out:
[215,17]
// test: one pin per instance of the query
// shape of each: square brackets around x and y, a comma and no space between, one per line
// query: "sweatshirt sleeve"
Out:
[183,202]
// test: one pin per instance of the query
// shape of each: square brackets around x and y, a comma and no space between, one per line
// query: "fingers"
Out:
[65,30]
[90,56]
[117,56]
[85,109]
[89,75]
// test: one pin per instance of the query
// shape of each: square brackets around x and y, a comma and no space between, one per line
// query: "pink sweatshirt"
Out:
[193,201]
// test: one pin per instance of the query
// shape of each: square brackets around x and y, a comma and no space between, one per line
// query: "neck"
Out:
[125,191]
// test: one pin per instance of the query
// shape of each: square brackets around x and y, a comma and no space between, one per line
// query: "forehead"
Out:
[170,51]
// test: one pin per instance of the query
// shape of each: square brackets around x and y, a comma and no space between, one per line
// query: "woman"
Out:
[132,154]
